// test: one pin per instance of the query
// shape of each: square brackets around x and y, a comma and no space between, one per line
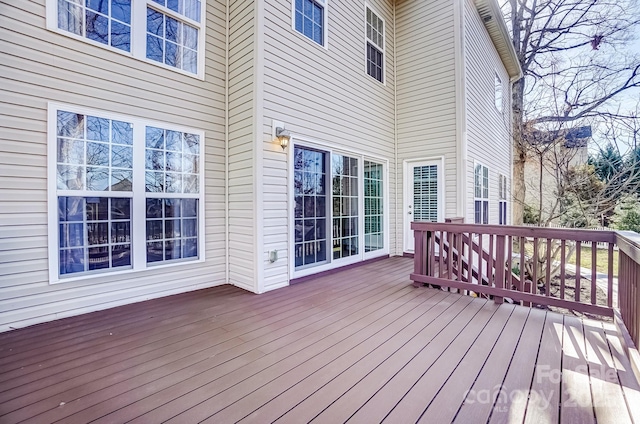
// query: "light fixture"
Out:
[284,136]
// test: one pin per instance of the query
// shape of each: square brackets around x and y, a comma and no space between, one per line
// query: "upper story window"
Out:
[498,92]
[481,194]
[169,32]
[124,193]
[310,18]
[375,46]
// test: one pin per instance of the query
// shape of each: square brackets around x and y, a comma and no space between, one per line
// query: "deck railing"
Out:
[534,266]
[629,282]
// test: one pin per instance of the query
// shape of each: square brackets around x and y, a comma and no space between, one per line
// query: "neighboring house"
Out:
[554,153]
[139,156]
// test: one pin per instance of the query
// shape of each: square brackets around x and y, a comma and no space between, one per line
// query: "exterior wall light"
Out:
[284,136]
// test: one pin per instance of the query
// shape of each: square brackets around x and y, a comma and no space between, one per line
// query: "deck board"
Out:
[360,345]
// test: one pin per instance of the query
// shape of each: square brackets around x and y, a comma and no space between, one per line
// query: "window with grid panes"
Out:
[375,45]
[97,193]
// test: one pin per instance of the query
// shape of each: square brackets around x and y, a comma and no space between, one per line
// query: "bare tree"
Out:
[576,64]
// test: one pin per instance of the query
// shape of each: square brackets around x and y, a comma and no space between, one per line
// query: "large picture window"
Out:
[338,198]
[172,37]
[96,193]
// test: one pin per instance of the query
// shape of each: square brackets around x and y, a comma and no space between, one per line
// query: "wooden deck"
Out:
[362,345]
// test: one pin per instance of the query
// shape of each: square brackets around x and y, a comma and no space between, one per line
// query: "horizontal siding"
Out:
[426,93]
[488,139]
[241,146]
[324,95]
[38,66]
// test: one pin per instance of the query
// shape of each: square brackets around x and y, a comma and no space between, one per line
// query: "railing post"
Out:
[418,257]
[500,265]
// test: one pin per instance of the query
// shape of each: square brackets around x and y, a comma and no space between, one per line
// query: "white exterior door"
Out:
[423,196]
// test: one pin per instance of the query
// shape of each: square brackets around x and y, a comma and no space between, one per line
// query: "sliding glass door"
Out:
[338,198]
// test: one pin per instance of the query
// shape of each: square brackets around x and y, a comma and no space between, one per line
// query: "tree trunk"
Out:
[519,153]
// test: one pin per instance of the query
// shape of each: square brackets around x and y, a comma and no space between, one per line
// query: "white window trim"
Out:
[138,232]
[368,40]
[325,29]
[139,33]
[498,101]
[302,141]
[481,199]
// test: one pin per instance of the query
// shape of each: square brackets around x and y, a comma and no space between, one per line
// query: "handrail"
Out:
[470,253]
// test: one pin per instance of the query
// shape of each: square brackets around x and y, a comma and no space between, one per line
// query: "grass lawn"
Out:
[601,257]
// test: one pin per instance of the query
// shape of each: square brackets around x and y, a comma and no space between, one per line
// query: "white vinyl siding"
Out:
[426,92]
[39,66]
[324,97]
[488,132]
[242,220]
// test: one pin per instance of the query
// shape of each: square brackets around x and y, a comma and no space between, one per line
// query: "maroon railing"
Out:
[629,282]
[527,265]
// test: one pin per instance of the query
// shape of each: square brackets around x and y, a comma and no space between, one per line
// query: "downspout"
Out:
[461,105]
[227,270]
[395,130]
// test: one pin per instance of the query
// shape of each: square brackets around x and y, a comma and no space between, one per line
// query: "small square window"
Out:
[309,19]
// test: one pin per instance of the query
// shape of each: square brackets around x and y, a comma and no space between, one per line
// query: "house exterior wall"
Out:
[38,66]
[426,93]
[242,150]
[324,96]
[488,130]
[258,71]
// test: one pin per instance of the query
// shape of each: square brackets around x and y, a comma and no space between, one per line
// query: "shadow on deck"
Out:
[361,345]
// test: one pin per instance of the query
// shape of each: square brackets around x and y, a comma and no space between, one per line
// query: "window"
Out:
[310,19]
[502,189]
[95,160]
[344,179]
[373,206]
[498,92]
[330,190]
[481,194]
[172,37]
[375,46]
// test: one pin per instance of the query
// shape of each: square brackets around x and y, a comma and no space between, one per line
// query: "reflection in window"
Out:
[309,19]
[95,233]
[344,175]
[171,41]
[171,161]
[373,207]
[310,195]
[93,153]
[172,229]
[105,21]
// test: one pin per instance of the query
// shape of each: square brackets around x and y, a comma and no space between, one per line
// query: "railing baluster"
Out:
[535,262]
[500,269]
[450,255]
[563,262]
[578,269]
[547,283]
[480,240]
[431,264]
[509,262]
[490,261]
[610,276]
[594,276]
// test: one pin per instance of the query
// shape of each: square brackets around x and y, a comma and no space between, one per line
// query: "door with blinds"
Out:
[423,196]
